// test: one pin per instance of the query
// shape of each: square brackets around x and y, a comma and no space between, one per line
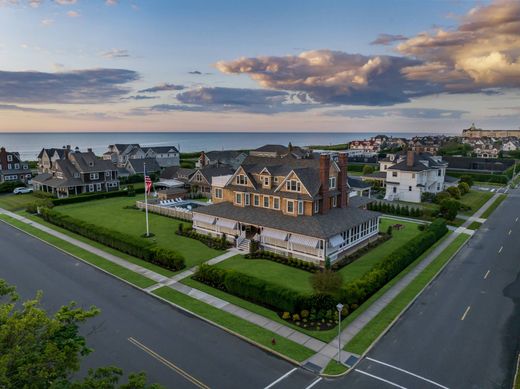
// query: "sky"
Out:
[324,65]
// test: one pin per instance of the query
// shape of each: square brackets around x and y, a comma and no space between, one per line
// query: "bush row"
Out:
[137,247]
[262,292]
[342,262]
[498,178]
[293,262]
[9,186]
[215,243]
[393,209]
[95,196]
[358,291]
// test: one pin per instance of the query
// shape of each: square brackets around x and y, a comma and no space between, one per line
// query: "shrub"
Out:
[367,169]
[442,196]
[215,243]
[93,196]
[389,230]
[304,314]
[286,315]
[467,179]
[449,208]
[454,192]
[293,262]
[296,317]
[125,243]
[326,282]
[9,186]
[464,188]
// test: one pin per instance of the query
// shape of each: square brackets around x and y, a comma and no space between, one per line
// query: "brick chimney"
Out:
[342,180]
[410,157]
[324,180]
[3,158]
[202,159]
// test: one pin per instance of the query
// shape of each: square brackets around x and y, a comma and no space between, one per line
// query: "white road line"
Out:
[501,247]
[380,379]
[313,383]
[509,233]
[465,313]
[516,219]
[487,274]
[408,372]
[281,378]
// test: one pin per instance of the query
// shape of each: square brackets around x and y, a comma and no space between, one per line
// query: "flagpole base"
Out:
[150,235]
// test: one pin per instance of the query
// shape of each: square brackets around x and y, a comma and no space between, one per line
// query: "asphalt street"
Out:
[464,330]
[135,331]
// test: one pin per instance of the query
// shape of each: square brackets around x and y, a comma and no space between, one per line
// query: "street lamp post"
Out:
[339,307]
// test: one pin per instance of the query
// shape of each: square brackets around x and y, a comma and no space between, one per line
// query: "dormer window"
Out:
[267,181]
[293,185]
[332,182]
[91,164]
[9,158]
[241,179]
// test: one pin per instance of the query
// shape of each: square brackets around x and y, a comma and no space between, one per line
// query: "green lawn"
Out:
[493,206]
[128,275]
[112,214]
[378,324]
[474,226]
[271,271]
[399,237]
[474,199]
[244,328]
[13,202]
[335,368]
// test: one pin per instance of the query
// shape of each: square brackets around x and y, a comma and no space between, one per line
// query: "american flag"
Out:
[148,184]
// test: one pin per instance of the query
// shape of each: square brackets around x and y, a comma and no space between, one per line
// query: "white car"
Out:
[22,190]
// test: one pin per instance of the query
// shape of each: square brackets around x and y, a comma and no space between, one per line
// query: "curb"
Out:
[403,311]
[163,300]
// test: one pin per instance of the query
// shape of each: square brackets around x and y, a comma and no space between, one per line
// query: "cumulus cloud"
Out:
[138,97]
[482,52]
[12,107]
[411,113]
[35,3]
[115,53]
[65,2]
[162,88]
[335,77]
[79,86]
[387,39]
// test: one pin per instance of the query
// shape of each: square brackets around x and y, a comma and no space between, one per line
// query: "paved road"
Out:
[464,330]
[132,322]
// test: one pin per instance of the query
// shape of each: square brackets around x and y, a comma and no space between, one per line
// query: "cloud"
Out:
[47,22]
[111,2]
[162,88]
[195,72]
[35,3]
[138,97]
[74,87]
[335,77]
[72,14]
[218,99]
[410,113]
[65,2]
[115,53]
[387,39]
[11,107]
[482,52]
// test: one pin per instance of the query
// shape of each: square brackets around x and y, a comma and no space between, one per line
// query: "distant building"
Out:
[12,168]
[366,146]
[137,166]
[77,173]
[48,157]
[120,154]
[511,145]
[231,158]
[474,132]
[280,151]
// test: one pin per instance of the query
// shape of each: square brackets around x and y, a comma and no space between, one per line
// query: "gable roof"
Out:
[163,149]
[138,165]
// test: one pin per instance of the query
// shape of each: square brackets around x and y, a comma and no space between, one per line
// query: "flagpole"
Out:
[146,200]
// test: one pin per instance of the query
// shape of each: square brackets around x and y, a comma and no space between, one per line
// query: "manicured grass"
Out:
[378,324]
[120,254]
[128,275]
[271,271]
[493,206]
[474,199]
[456,223]
[335,368]
[399,237]
[474,226]
[484,183]
[248,330]
[13,202]
[112,214]
[325,336]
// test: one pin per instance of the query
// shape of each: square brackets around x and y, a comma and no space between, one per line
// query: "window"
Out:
[413,175]
[218,193]
[9,166]
[394,174]
[247,199]
[266,181]
[238,198]
[241,179]
[98,187]
[275,180]
[17,166]
[107,173]
[332,182]
[276,202]
[300,207]
[394,189]
[316,206]
[438,186]
[290,206]
[266,201]
[256,200]
[94,176]
[293,185]
[439,172]
[334,202]
[9,158]
[91,188]
[76,175]
[409,189]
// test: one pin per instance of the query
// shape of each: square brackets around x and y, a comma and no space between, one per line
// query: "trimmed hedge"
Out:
[214,243]
[93,196]
[293,262]
[393,209]
[360,290]
[137,247]
[499,178]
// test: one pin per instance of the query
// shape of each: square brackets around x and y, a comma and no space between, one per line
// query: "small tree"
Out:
[181,227]
[367,169]
[467,179]
[326,282]
[454,192]
[389,230]
[439,197]
[449,209]
[464,188]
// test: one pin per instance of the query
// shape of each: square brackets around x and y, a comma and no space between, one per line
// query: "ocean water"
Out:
[30,144]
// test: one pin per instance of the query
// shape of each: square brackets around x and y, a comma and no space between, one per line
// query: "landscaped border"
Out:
[493,206]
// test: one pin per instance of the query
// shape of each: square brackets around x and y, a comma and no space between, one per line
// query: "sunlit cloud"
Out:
[115,53]
[162,88]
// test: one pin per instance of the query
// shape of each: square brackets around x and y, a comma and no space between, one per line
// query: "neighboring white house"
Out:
[511,145]
[408,176]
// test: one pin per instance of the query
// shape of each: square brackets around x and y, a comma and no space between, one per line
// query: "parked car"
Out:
[22,190]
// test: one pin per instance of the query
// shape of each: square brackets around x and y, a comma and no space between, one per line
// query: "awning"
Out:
[231,224]
[170,183]
[304,240]
[274,234]
[198,217]
[336,240]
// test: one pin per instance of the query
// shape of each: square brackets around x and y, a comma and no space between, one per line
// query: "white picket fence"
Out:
[178,213]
